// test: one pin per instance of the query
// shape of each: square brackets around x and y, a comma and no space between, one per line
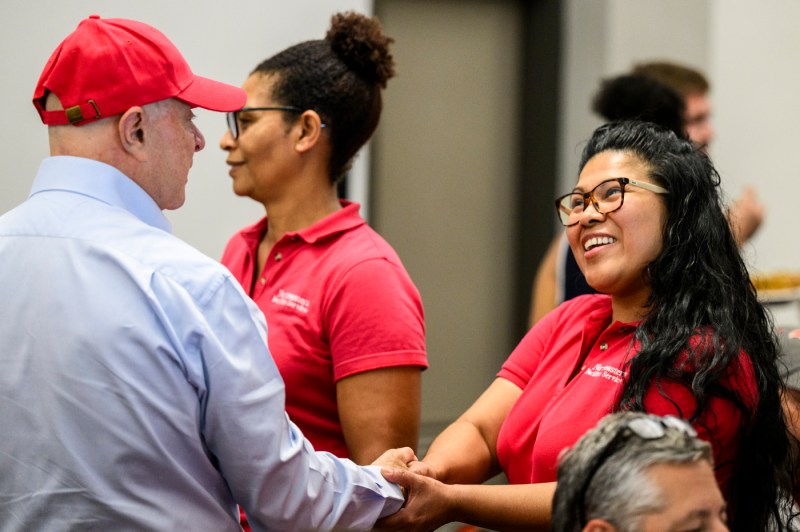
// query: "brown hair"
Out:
[682,79]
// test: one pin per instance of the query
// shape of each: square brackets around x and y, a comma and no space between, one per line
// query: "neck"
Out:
[296,212]
[629,308]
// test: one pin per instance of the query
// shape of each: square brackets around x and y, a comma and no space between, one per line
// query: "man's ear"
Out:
[311,128]
[599,525]
[131,132]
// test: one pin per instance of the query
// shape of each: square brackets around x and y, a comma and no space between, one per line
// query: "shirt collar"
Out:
[99,181]
[342,220]
[600,317]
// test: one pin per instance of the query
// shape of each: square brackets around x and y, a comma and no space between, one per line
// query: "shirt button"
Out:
[603,346]
[278,256]
[263,280]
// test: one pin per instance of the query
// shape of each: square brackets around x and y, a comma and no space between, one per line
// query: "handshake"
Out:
[426,506]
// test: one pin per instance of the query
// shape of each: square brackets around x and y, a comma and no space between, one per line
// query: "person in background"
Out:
[676,330]
[746,213]
[673,96]
[137,390]
[638,472]
[346,326]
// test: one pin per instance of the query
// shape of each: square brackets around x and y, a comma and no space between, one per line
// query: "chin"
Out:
[598,284]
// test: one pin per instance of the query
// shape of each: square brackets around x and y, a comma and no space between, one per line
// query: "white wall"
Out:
[604,38]
[221,40]
[749,51]
[754,51]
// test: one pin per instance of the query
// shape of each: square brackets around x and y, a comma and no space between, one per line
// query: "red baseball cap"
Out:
[107,66]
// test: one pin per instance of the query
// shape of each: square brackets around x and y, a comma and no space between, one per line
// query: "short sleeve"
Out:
[520,366]
[375,319]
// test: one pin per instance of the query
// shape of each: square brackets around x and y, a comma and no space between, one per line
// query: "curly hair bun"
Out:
[359,42]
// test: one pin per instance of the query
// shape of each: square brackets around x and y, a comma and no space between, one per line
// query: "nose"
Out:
[226,142]
[590,214]
[199,139]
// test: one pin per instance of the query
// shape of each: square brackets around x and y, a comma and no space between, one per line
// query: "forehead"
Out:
[259,89]
[697,102]
[609,164]
[687,490]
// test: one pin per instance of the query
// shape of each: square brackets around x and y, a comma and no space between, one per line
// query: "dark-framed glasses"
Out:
[234,123]
[606,197]
[645,427]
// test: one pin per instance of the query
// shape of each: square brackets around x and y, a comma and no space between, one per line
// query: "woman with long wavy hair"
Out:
[676,330]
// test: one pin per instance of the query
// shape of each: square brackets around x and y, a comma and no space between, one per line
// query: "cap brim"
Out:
[213,95]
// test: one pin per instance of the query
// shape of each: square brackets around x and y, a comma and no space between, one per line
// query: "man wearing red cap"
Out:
[136,390]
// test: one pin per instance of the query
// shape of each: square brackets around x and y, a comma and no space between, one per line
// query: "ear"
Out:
[311,128]
[599,525]
[131,132]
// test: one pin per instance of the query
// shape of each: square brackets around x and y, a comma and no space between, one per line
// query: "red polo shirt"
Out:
[338,302]
[553,411]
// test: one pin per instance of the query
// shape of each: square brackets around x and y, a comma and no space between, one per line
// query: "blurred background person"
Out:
[637,472]
[746,213]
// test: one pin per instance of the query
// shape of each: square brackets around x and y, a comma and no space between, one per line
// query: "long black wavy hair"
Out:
[341,78]
[704,307]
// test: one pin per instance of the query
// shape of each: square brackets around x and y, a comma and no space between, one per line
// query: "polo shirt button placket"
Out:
[603,346]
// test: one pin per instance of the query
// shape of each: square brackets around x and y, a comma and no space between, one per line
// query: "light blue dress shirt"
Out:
[136,389]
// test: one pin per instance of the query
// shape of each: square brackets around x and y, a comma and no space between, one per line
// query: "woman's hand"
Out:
[427,505]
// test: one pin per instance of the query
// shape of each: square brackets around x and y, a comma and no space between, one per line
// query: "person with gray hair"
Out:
[138,391]
[638,472]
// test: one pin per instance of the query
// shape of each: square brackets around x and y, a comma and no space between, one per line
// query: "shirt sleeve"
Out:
[524,359]
[271,469]
[374,319]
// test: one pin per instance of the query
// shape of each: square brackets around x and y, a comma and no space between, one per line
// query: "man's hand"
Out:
[396,458]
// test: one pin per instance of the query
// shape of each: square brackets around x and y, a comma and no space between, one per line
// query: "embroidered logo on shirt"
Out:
[611,373]
[287,299]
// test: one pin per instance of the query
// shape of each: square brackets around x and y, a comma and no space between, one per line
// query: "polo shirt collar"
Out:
[600,318]
[340,221]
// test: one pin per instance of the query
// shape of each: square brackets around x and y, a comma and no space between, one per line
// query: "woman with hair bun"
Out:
[345,322]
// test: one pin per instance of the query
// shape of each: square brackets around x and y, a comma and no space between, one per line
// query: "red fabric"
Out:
[107,65]
[551,414]
[338,302]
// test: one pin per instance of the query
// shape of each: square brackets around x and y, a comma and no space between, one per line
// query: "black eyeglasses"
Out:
[606,197]
[233,118]
[648,427]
